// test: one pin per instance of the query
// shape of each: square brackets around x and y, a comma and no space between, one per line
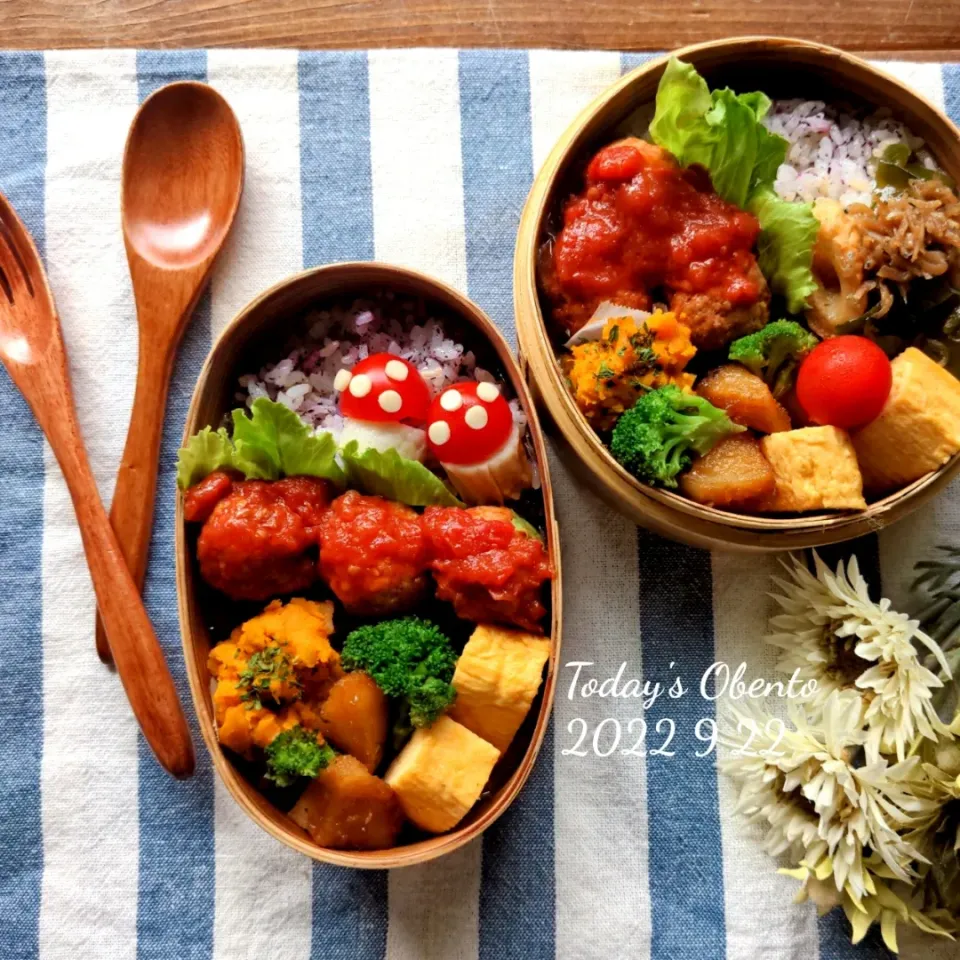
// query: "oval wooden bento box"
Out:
[255,336]
[781,68]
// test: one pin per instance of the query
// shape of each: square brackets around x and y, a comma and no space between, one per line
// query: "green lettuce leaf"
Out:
[785,246]
[394,477]
[524,526]
[256,453]
[274,442]
[722,132]
[270,442]
[203,453]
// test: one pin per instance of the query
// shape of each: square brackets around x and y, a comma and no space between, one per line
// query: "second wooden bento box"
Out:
[781,68]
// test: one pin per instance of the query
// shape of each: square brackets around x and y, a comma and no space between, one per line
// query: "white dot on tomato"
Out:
[451,400]
[342,380]
[360,385]
[487,392]
[390,401]
[439,432]
[396,370]
[476,418]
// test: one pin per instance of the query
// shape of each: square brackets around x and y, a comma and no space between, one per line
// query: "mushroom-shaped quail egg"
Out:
[383,388]
[468,423]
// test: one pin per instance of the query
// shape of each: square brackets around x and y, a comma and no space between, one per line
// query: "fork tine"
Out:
[16,249]
[13,284]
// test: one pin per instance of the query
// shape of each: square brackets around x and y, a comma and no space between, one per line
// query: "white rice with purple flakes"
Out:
[339,337]
[833,151]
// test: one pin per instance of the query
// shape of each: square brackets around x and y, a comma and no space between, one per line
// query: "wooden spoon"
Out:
[182,179]
[31,347]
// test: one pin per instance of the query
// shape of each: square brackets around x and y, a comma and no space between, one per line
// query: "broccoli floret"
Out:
[656,438]
[408,658]
[774,352]
[296,753]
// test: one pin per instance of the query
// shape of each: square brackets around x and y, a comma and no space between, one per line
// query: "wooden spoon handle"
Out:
[131,512]
[136,650]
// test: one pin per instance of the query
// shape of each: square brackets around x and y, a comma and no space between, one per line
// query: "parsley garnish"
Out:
[263,669]
[642,339]
[646,357]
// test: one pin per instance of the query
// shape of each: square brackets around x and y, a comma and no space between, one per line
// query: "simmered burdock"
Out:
[373,554]
[258,540]
[488,570]
[354,718]
[735,473]
[347,808]
[744,396]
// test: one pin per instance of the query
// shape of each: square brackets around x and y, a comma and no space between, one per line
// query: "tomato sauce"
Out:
[373,554]
[643,222]
[202,497]
[487,569]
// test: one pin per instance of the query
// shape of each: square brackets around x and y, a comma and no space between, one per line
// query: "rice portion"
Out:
[339,337]
[833,151]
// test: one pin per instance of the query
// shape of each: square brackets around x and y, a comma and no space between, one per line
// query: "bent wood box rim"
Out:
[281,303]
[664,512]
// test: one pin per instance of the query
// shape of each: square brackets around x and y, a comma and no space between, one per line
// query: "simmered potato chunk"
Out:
[735,473]
[354,718]
[347,808]
[745,397]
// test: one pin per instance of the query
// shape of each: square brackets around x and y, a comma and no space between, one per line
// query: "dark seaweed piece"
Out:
[927,318]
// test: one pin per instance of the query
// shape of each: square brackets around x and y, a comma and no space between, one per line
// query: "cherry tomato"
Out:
[844,382]
[468,423]
[383,389]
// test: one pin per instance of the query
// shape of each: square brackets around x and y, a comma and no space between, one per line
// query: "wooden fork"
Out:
[32,350]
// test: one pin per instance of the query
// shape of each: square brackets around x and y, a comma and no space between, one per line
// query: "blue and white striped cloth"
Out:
[414,157]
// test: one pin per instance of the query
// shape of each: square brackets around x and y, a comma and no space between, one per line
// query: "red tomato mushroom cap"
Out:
[383,389]
[468,423]
[844,382]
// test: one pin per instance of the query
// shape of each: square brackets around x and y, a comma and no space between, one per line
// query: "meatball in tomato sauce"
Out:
[259,539]
[487,569]
[373,554]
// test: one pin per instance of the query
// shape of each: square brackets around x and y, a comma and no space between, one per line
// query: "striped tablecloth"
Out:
[420,158]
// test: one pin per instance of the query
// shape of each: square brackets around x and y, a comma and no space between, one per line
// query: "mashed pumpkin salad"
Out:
[757,302]
[375,535]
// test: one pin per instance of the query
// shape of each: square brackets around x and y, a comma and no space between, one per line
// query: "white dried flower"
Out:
[888,902]
[817,804]
[832,632]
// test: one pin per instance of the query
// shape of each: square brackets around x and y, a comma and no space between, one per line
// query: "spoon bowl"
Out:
[182,180]
[177,204]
